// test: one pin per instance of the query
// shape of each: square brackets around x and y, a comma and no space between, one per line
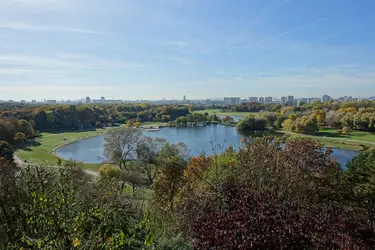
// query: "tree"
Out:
[25,127]
[275,197]
[6,151]
[59,208]
[250,122]
[133,178]
[86,124]
[228,119]
[40,119]
[168,183]
[7,131]
[360,176]
[148,151]
[19,138]
[130,124]
[121,144]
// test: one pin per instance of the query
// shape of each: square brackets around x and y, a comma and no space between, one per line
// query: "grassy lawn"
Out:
[153,123]
[223,113]
[40,150]
[355,140]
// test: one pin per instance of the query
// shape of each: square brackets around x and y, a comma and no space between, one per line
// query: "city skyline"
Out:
[261,99]
[150,49]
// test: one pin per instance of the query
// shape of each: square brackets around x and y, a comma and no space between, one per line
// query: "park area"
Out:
[40,150]
[330,137]
[227,113]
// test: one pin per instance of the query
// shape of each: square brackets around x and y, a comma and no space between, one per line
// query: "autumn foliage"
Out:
[277,196]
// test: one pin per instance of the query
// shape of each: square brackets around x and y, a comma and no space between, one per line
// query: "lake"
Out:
[197,139]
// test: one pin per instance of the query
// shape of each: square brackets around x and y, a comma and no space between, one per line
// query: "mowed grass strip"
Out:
[229,113]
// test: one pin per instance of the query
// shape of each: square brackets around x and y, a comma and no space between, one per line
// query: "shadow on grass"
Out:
[62,131]
[26,146]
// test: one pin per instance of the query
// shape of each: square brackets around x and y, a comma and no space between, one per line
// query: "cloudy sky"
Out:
[151,49]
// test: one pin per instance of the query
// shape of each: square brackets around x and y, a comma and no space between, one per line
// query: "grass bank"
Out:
[41,149]
[355,140]
[229,113]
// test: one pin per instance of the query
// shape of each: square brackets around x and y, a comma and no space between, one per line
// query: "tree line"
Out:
[20,122]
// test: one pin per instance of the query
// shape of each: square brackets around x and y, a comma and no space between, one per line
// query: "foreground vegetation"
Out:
[266,196]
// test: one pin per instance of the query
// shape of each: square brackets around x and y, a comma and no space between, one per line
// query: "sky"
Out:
[154,49]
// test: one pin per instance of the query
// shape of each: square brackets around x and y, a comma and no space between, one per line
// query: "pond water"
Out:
[197,139]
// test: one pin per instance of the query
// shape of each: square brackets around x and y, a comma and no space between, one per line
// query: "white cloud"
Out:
[44,28]
[70,62]
[21,71]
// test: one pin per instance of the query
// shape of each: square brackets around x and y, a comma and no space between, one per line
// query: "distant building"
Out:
[102,98]
[283,100]
[10,101]
[326,98]
[253,99]
[268,100]
[231,101]
[88,100]
[301,101]
[23,101]
[51,101]
[261,99]
[103,101]
[216,102]
[33,101]
[290,99]
[184,98]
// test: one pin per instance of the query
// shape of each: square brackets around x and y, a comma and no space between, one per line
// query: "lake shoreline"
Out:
[198,140]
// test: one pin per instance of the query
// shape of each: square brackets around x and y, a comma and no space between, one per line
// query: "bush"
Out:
[109,171]
[98,124]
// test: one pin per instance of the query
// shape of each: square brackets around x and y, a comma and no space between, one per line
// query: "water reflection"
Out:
[197,139]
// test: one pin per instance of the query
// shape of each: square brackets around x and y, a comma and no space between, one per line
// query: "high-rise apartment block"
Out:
[268,100]
[231,101]
[253,99]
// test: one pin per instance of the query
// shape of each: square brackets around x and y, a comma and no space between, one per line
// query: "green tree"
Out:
[25,127]
[86,124]
[148,151]
[250,122]
[360,176]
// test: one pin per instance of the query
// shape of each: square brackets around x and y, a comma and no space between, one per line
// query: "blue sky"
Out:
[151,49]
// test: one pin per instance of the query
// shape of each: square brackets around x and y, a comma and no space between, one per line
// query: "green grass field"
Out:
[41,149]
[223,113]
[355,140]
